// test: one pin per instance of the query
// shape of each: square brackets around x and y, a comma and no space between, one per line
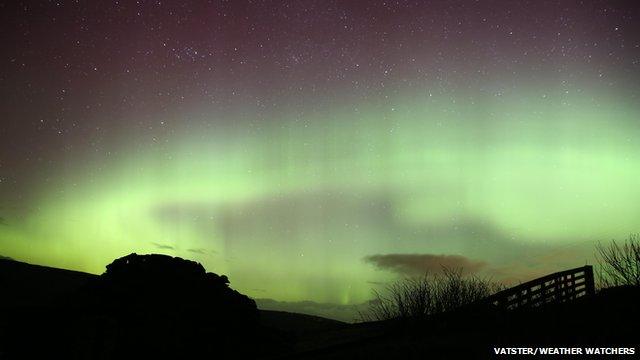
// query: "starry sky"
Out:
[315,150]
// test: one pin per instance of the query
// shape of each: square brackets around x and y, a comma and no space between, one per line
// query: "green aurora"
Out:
[290,209]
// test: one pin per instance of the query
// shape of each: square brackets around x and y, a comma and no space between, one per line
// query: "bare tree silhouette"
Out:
[619,264]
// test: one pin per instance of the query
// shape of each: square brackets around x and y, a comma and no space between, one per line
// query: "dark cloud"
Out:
[417,264]
[277,220]
[283,223]
[162,246]
[2,221]
[197,251]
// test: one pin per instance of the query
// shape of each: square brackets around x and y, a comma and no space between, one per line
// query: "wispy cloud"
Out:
[162,246]
[417,264]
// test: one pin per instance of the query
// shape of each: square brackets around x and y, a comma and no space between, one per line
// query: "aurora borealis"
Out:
[314,150]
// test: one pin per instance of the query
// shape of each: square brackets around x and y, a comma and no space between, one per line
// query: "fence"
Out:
[553,288]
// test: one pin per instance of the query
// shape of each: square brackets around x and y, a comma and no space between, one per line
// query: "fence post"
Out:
[589,285]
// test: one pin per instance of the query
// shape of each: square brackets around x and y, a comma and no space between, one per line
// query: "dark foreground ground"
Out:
[38,320]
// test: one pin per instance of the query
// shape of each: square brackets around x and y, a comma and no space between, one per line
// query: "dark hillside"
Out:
[608,319]
[169,307]
[27,284]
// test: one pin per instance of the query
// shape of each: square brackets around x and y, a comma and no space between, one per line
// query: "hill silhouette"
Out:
[157,306]
[142,306]
[27,285]
[168,284]
[168,305]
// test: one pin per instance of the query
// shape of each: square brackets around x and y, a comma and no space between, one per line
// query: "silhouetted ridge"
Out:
[172,283]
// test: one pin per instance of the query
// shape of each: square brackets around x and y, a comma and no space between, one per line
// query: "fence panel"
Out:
[554,288]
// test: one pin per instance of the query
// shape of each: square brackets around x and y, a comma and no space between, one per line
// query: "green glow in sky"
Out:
[290,207]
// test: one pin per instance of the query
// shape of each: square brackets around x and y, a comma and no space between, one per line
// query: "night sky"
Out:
[314,150]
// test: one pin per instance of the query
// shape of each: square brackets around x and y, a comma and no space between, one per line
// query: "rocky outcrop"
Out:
[158,304]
